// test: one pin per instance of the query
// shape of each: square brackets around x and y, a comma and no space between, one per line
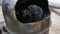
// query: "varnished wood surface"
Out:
[55,26]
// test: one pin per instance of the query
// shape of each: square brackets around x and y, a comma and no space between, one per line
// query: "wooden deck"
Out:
[55,18]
